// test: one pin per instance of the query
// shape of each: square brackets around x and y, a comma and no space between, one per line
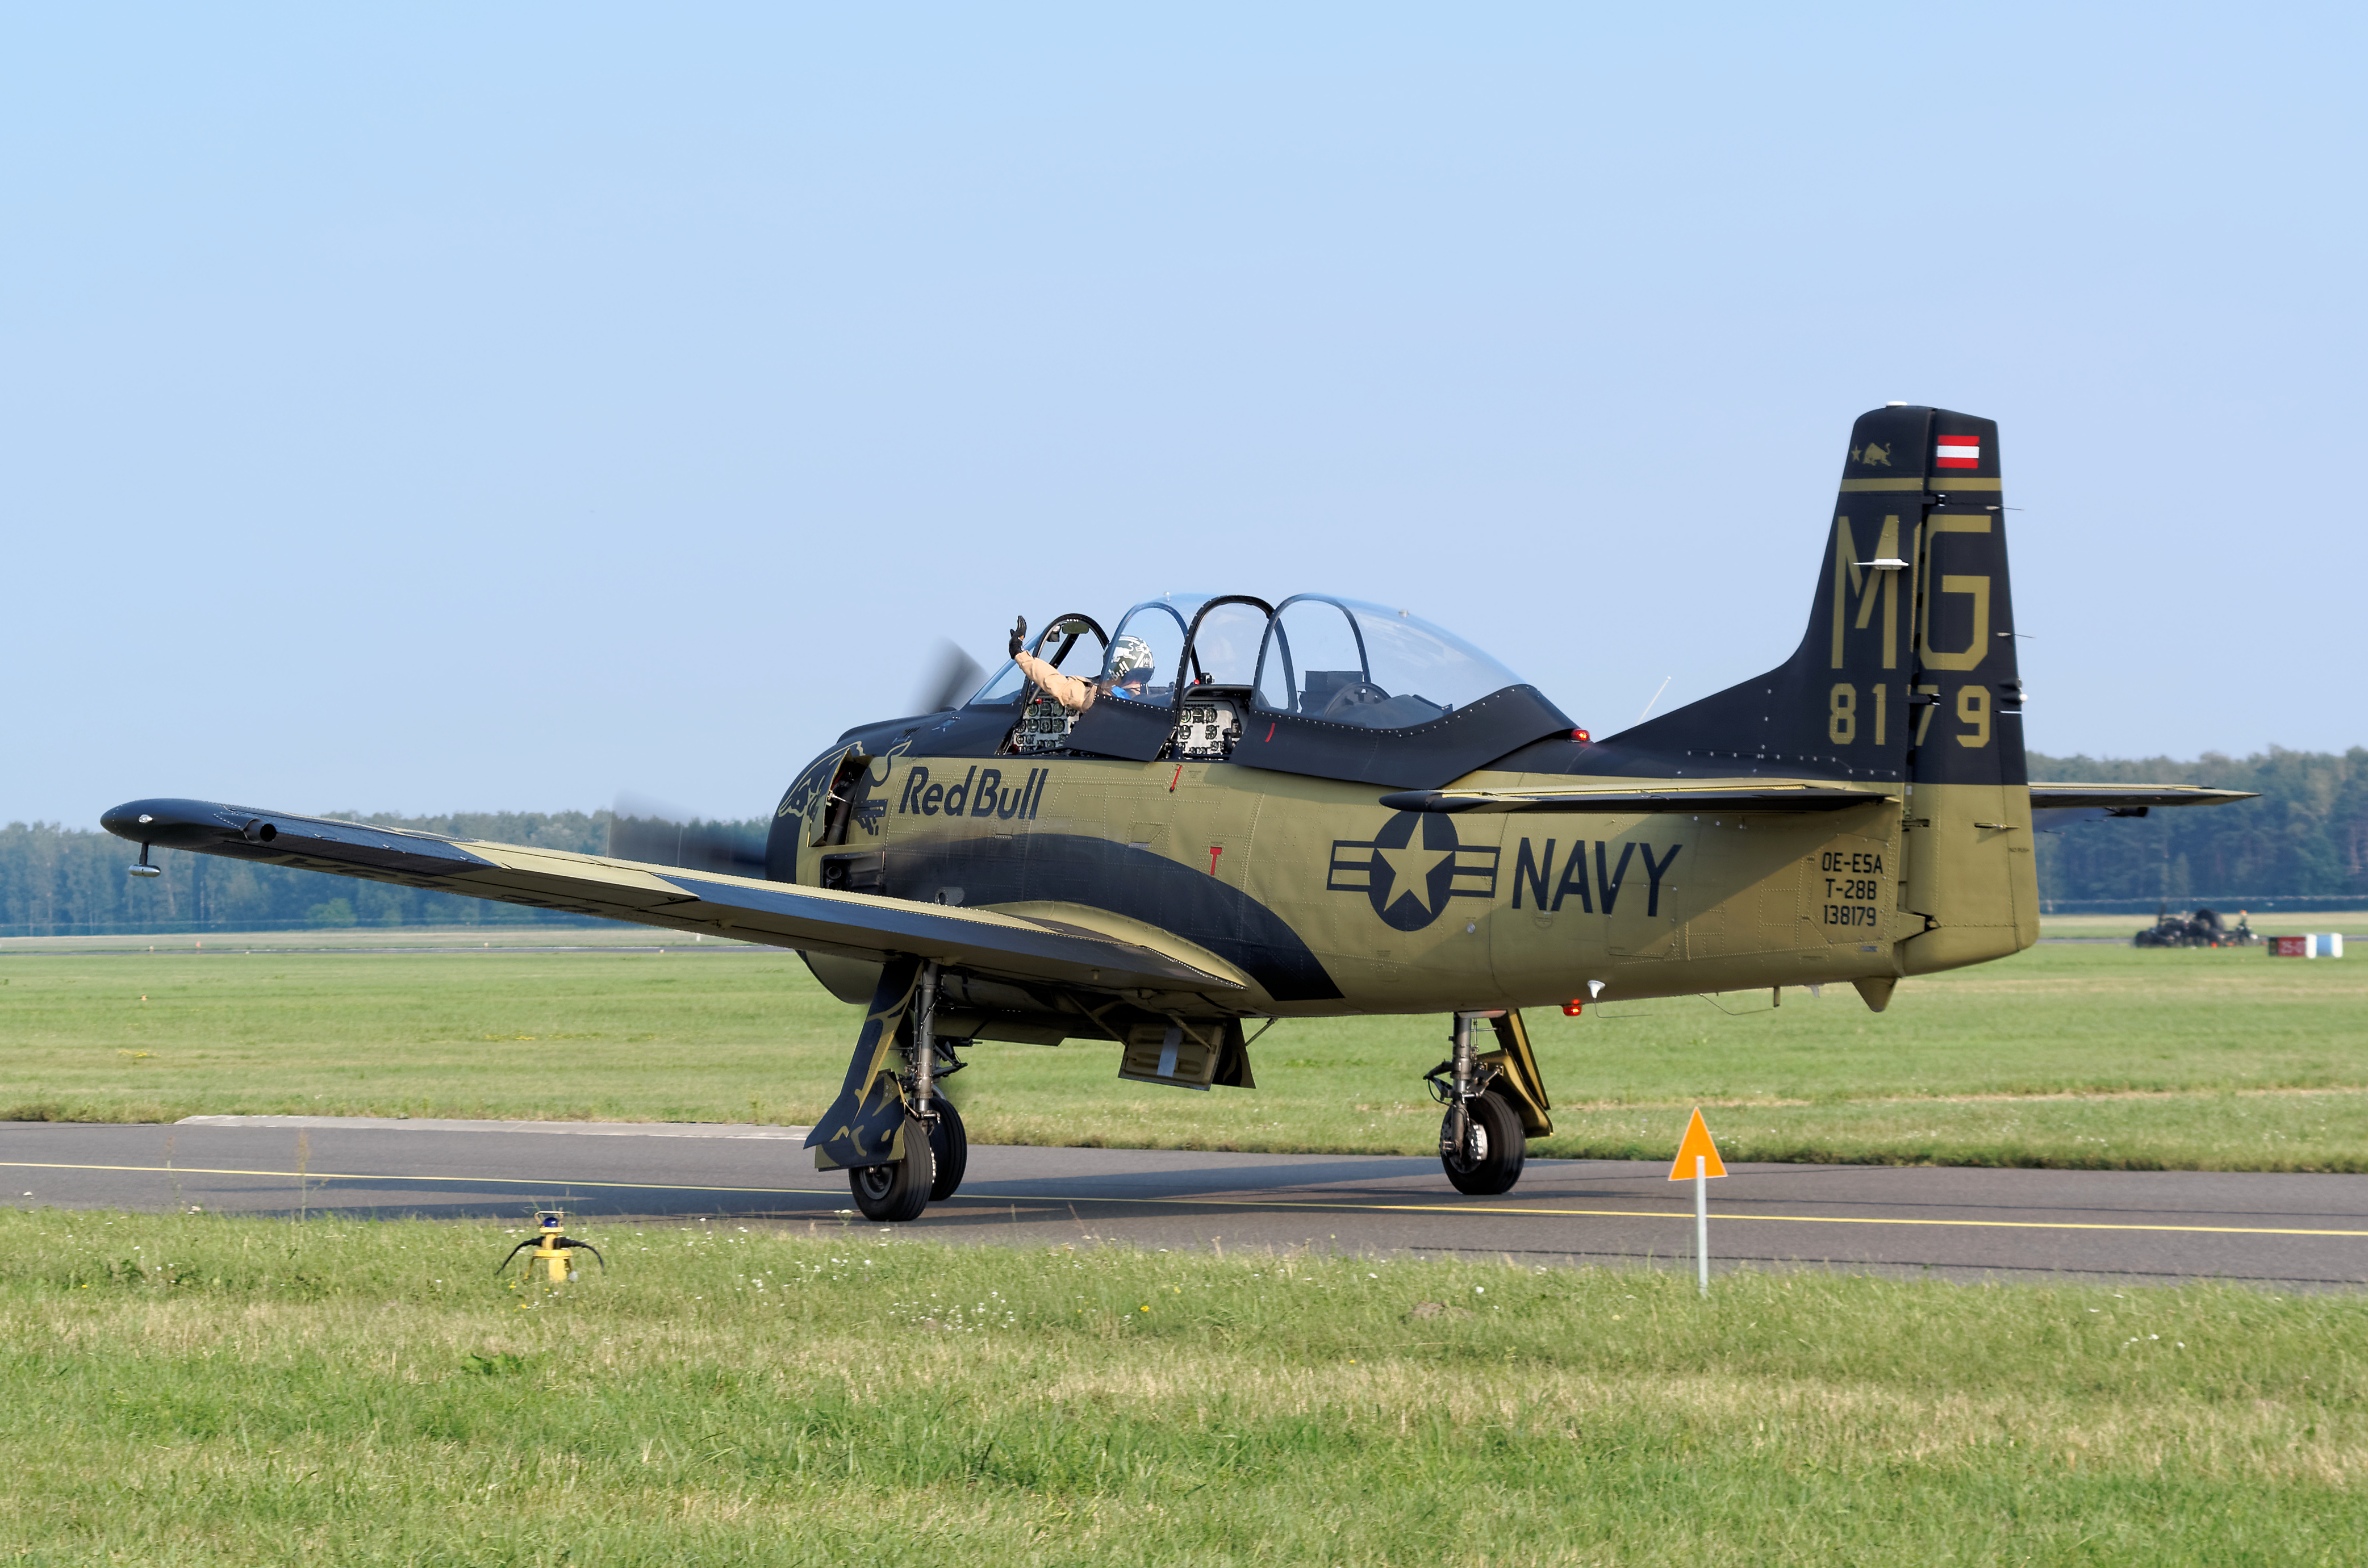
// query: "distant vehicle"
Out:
[2202,929]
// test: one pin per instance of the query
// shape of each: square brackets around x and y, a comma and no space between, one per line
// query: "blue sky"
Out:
[449,410]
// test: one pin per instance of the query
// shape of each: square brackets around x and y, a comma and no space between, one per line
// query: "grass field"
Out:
[188,1390]
[2070,1054]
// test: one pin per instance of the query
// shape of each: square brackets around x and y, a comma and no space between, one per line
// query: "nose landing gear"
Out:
[1493,1104]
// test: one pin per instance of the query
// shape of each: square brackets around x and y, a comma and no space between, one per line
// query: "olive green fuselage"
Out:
[1403,911]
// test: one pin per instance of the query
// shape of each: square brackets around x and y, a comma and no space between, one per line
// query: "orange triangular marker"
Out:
[1698,1142]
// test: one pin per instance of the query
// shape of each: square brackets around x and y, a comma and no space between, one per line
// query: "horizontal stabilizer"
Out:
[2124,797]
[1710,795]
[2055,805]
[781,915]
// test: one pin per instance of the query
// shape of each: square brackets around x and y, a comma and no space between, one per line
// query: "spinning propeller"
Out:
[950,675]
[657,834]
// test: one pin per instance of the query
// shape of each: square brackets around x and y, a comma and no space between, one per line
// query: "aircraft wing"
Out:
[779,914]
[1709,795]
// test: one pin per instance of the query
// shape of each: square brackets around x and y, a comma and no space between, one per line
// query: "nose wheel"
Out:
[1482,1147]
[1482,1142]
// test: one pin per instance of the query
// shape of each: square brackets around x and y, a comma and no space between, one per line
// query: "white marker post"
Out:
[1701,1153]
[1702,1221]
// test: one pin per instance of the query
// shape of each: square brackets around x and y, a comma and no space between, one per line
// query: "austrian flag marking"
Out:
[1958,451]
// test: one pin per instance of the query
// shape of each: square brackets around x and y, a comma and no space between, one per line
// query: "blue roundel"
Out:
[1413,868]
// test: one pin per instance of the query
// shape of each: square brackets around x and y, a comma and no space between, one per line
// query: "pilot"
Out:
[1130,666]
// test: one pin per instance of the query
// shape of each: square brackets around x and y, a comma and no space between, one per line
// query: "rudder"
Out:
[1970,869]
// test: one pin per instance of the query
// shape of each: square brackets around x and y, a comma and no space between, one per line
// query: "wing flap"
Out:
[777,914]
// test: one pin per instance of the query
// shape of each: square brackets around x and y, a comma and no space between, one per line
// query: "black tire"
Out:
[1494,1149]
[950,1146]
[892,1194]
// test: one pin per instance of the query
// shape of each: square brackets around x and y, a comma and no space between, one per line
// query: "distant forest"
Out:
[2306,838]
[71,881]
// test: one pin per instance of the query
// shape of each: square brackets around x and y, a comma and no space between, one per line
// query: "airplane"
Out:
[1321,807]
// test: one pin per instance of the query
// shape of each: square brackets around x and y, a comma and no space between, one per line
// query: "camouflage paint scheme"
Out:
[1859,813]
[1904,691]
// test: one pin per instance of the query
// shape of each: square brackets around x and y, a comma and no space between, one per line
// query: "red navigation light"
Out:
[1582,737]
[1571,1008]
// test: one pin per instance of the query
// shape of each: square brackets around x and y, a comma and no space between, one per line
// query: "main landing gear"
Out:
[929,1172]
[928,1146]
[1493,1103]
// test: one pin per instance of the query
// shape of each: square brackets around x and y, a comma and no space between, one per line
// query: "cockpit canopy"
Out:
[1315,655]
[1367,664]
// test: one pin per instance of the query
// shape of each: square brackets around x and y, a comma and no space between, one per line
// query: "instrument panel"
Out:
[1043,725]
[1208,728]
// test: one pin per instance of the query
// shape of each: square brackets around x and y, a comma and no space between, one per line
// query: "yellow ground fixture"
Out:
[553,1249]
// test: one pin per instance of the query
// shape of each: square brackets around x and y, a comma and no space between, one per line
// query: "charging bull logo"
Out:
[1412,867]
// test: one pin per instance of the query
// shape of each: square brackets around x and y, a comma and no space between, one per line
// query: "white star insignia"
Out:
[1411,868]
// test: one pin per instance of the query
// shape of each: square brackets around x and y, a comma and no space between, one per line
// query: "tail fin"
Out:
[1906,674]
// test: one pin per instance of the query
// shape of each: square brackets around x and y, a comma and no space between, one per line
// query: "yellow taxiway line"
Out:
[546,1183]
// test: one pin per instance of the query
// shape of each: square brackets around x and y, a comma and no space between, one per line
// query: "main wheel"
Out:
[894,1193]
[949,1144]
[1488,1160]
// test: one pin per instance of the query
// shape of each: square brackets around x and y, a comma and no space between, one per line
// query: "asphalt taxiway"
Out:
[2309,1231]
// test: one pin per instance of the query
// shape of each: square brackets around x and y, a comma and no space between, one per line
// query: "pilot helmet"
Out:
[1131,656]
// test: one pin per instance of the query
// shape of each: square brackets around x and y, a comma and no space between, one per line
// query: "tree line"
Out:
[2306,837]
[56,880]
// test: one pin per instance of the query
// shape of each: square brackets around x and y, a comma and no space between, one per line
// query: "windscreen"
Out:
[1002,688]
[1072,647]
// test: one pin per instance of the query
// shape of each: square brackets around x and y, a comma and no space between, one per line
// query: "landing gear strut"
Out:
[883,1109]
[1481,1142]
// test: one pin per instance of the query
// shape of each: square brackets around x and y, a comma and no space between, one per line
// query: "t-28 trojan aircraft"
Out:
[1319,807]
